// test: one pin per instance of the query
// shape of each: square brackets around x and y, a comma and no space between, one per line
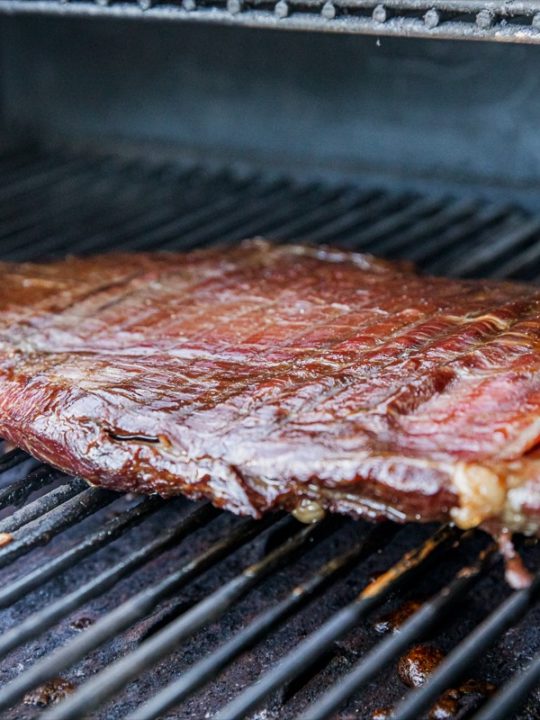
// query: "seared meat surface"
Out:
[264,377]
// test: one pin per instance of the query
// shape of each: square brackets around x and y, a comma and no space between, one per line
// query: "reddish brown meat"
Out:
[266,377]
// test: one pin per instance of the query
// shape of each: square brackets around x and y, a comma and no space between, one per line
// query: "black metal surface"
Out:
[430,116]
[168,609]
[494,20]
[47,502]
[452,668]
[208,668]
[512,697]
[134,204]
[112,530]
[41,530]
[393,646]
[16,493]
[318,642]
[113,678]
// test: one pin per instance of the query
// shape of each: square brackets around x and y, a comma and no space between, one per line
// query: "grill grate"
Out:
[494,20]
[174,609]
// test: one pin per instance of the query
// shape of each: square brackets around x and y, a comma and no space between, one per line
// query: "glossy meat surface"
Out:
[264,377]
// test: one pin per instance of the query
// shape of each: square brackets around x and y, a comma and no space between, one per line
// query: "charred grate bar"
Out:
[284,539]
[493,20]
[139,608]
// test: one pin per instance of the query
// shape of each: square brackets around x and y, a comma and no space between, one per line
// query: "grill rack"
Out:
[40,198]
[493,20]
[293,539]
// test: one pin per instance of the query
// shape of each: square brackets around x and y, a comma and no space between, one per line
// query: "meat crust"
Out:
[266,377]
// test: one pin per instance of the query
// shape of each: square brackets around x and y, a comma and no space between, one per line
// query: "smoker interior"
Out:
[123,137]
[62,201]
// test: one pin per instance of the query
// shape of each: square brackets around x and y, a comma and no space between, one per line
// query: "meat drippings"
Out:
[415,667]
[308,512]
[49,693]
[383,713]
[392,621]
[462,701]
[81,623]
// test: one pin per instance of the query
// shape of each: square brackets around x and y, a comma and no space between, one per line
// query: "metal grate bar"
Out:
[432,248]
[106,683]
[39,622]
[298,201]
[490,252]
[133,204]
[153,211]
[18,491]
[461,6]
[130,200]
[36,180]
[43,529]
[390,205]
[226,221]
[195,197]
[296,217]
[476,643]
[205,670]
[11,459]
[413,211]
[496,21]
[363,216]
[99,220]
[513,695]
[520,263]
[444,218]
[344,223]
[452,255]
[334,204]
[46,232]
[34,208]
[410,631]
[38,165]
[111,531]
[42,505]
[128,613]
[319,641]
[205,210]
[307,224]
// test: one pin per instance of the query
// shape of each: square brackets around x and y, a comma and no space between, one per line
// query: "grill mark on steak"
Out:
[343,386]
[263,377]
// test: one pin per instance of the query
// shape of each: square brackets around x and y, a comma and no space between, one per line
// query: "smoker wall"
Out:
[426,114]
